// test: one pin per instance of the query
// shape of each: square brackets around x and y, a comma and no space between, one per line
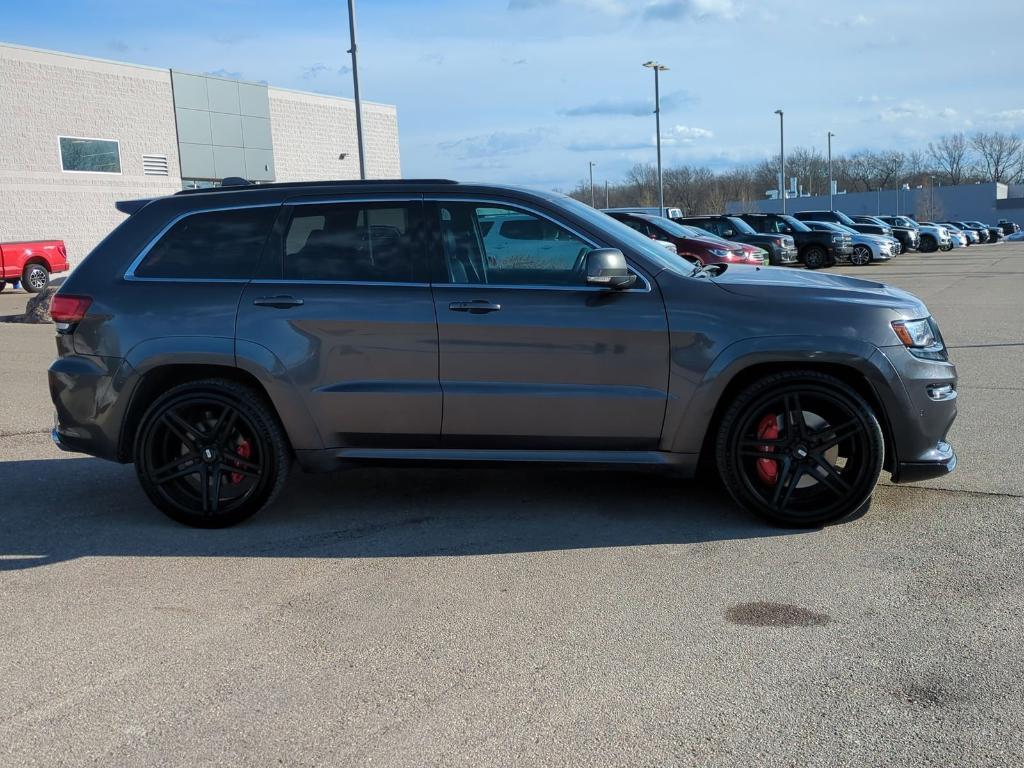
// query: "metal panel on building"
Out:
[223,128]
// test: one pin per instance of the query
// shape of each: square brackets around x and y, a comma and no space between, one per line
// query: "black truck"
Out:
[816,249]
[909,237]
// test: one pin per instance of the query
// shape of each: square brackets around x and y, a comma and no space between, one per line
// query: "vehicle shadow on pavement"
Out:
[63,509]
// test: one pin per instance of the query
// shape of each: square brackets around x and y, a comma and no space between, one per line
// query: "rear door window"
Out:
[352,242]
[214,245]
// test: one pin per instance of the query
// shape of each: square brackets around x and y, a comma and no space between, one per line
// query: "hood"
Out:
[784,286]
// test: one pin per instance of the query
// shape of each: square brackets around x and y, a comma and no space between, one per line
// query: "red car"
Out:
[32,263]
[689,243]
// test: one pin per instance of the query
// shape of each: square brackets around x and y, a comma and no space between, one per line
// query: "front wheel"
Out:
[211,453]
[815,257]
[861,256]
[35,278]
[800,448]
[928,244]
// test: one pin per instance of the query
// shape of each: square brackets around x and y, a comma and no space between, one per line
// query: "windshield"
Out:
[843,218]
[846,229]
[678,230]
[656,254]
[741,226]
[796,224]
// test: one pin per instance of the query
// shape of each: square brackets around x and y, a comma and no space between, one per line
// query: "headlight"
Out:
[921,338]
[837,238]
[719,252]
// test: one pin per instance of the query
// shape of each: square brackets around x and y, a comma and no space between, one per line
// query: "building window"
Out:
[78,155]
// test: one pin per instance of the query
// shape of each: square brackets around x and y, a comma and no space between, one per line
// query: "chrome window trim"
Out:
[515,204]
[130,272]
[389,283]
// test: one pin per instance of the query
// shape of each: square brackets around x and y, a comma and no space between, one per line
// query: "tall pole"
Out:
[355,87]
[592,202]
[658,68]
[830,184]
[606,205]
[782,159]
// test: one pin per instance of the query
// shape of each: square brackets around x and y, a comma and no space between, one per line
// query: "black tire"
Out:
[928,244]
[861,256]
[815,257]
[828,441]
[3,284]
[35,277]
[200,439]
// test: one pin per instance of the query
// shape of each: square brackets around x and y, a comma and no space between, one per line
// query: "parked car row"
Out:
[816,239]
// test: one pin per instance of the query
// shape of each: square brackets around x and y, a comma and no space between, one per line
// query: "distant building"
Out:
[972,202]
[78,134]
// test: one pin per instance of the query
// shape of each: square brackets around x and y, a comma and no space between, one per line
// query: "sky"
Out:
[530,91]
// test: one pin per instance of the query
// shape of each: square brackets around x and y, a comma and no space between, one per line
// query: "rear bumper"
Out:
[88,395]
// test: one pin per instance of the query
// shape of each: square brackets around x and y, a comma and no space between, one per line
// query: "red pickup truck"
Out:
[32,263]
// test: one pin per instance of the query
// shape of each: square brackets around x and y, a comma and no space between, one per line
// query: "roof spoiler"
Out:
[132,206]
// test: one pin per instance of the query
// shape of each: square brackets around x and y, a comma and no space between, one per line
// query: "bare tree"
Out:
[1001,155]
[951,155]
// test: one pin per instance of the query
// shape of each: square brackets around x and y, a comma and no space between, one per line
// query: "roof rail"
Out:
[234,185]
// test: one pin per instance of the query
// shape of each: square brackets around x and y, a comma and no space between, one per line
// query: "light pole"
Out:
[657,127]
[592,164]
[606,205]
[355,87]
[830,185]
[782,159]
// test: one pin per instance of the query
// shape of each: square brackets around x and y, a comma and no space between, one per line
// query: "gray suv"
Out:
[216,337]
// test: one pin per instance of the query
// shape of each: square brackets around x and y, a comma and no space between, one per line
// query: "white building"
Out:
[78,134]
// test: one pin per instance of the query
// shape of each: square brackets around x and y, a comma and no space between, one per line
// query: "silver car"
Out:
[866,248]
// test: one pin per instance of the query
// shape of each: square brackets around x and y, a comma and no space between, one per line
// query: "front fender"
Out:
[687,424]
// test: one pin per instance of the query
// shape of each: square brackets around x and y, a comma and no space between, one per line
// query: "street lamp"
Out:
[657,127]
[592,164]
[782,159]
[355,87]
[830,185]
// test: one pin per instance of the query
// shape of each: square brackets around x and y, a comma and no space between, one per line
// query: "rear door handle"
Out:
[278,302]
[477,307]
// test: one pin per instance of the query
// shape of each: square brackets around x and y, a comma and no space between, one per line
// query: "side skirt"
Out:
[681,464]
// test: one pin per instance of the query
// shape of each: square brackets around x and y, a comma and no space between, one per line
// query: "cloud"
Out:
[598,145]
[119,46]
[314,71]
[914,110]
[491,144]
[649,10]
[685,134]
[633,107]
[231,75]
[676,10]
[849,22]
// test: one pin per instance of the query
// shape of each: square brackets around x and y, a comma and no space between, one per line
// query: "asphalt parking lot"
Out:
[483,617]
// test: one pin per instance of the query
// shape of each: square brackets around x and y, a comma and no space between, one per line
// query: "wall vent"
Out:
[154,165]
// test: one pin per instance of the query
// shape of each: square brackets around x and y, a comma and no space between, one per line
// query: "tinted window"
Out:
[493,245]
[362,242]
[214,245]
[89,155]
[741,226]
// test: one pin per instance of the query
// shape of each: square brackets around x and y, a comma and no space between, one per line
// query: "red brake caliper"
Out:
[244,450]
[768,469]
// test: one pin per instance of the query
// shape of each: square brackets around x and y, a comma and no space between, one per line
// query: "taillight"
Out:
[68,310]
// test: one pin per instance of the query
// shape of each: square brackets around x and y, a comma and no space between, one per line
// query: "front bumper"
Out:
[941,464]
[780,256]
[920,402]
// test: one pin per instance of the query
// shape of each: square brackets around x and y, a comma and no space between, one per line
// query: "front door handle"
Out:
[278,302]
[476,307]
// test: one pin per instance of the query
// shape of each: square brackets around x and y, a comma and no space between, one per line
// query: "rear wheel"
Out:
[861,256]
[800,448]
[3,284]
[211,453]
[815,257]
[35,278]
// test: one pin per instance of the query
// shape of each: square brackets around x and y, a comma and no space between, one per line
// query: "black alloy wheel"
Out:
[210,454]
[861,256]
[815,257]
[800,448]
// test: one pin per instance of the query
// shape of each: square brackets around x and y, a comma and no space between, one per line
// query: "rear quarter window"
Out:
[209,246]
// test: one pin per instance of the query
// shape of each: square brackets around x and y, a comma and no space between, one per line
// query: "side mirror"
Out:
[606,268]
